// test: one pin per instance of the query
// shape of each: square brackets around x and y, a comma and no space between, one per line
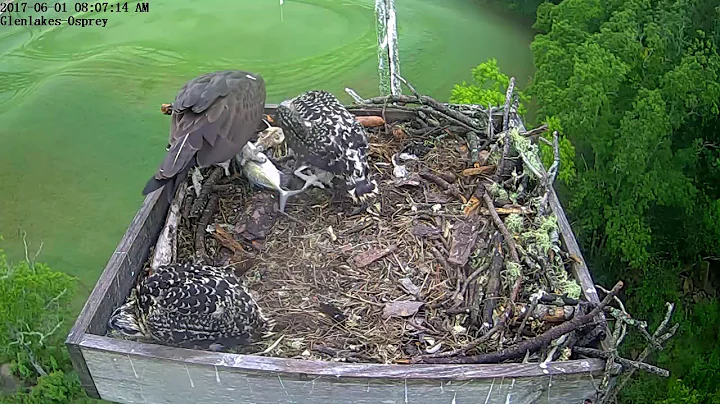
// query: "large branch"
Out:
[166,246]
[596,353]
[542,340]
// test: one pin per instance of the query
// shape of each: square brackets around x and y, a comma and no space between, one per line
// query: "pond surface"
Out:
[80,127]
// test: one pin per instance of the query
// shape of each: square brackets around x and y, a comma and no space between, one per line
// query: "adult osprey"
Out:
[190,305]
[324,134]
[213,117]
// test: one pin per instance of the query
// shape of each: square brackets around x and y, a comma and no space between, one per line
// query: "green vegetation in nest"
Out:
[538,243]
[497,191]
[564,284]
[478,259]
[514,223]
[529,150]
[494,157]
[511,272]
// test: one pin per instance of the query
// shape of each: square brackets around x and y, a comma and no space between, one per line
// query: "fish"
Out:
[266,175]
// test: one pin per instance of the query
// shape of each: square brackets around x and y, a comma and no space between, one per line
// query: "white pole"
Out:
[388,61]
[393,48]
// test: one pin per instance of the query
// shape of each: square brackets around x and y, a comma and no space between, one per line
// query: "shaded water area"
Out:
[80,127]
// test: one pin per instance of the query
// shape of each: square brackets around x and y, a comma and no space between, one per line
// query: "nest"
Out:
[458,260]
[428,271]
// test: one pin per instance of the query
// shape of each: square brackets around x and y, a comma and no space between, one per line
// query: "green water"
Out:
[80,127]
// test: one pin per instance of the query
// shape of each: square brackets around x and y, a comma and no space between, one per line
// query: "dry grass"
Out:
[303,272]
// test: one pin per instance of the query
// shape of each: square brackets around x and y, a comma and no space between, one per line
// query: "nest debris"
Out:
[423,271]
[458,260]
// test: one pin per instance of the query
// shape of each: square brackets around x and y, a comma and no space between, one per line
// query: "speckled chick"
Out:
[192,306]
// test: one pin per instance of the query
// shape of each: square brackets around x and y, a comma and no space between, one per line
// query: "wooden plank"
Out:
[80,366]
[579,267]
[336,369]
[130,372]
[115,282]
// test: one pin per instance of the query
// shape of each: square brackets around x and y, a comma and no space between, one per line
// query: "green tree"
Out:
[34,315]
[635,87]
[34,320]
[489,89]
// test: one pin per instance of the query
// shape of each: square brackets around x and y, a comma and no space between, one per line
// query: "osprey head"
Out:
[124,321]
[289,120]
[363,190]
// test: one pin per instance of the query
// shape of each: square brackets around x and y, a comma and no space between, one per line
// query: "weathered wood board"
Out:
[140,373]
[132,372]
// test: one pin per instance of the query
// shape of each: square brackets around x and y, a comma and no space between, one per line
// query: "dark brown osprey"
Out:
[213,117]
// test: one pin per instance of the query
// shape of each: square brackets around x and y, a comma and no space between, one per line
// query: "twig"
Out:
[205,192]
[553,170]
[227,240]
[549,177]
[532,133]
[437,108]
[472,277]
[38,368]
[473,147]
[449,189]
[596,353]
[542,340]
[461,351]
[490,126]
[414,91]
[500,225]
[660,335]
[355,96]
[511,246]
[56,298]
[626,318]
[506,107]
[166,246]
[534,300]
[200,253]
[27,258]
[612,356]
[493,285]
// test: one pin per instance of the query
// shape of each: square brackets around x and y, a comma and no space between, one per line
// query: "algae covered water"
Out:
[80,127]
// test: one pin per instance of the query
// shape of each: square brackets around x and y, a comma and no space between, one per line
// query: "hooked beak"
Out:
[123,322]
[366,197]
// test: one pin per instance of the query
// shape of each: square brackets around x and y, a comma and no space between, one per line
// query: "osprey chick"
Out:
[324,134]
[190,305]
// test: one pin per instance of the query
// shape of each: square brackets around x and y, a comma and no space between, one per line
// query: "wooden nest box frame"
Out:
[131,372]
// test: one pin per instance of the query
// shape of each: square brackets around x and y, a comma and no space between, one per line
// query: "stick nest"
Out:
[423,272]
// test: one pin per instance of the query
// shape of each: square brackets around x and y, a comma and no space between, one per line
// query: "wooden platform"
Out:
[131,372]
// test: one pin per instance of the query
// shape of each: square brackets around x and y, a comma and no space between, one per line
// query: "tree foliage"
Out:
[34,315]
[57,387]
[635,87]
[489,89]
[34,319]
